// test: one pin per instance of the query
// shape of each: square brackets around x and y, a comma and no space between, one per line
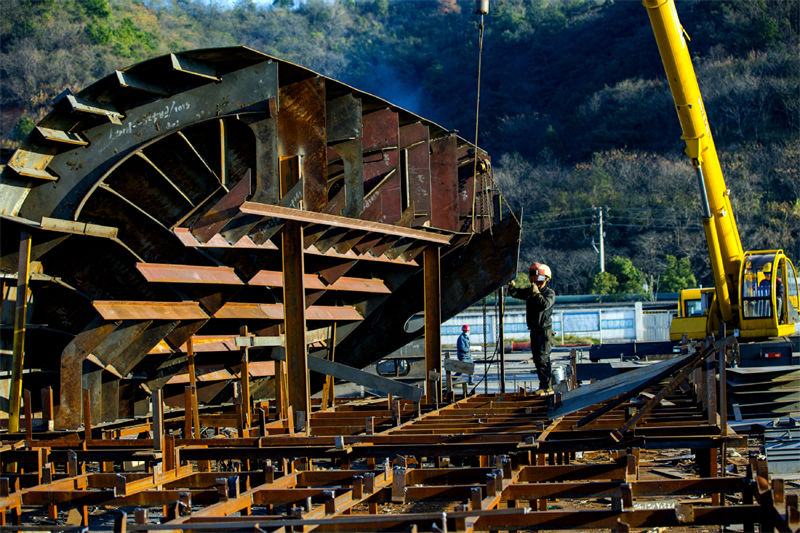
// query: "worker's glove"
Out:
[534,288]
[511,284]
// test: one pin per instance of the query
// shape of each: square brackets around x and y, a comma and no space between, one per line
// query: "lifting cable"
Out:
[482,9]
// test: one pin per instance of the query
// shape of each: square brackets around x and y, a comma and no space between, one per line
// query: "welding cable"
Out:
[490,362]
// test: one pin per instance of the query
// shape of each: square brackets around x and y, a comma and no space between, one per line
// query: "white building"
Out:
[572,316]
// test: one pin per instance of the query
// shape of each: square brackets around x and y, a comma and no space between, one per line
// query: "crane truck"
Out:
[755,293]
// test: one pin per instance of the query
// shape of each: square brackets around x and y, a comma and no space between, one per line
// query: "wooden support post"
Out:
[245,379]
[433,320]
[295,321]
[193,385]
[23,275]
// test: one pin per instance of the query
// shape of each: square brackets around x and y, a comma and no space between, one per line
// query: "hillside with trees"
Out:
[575,108]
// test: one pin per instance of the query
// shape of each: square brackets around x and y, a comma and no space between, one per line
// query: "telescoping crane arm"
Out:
[724,246]
[757,293]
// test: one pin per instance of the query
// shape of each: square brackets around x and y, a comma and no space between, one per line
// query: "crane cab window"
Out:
[694,308]
[792,313]
[757,286]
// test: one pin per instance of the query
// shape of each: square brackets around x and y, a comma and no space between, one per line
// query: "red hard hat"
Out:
[465,327]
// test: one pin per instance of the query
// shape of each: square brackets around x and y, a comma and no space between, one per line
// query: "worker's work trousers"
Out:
[541,345]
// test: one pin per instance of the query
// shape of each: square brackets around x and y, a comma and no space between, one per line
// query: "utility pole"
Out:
[601,251]
[602,248]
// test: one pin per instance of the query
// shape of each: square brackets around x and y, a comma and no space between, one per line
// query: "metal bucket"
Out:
[559,375]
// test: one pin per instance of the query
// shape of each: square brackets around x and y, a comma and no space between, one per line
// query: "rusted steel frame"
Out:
[690,516]
[130,310]
[294,309]
[598,489]
[271,278]
[190,364]
[309,217]
[328,394]
[444,183]
[23,275]
[246,242]
[72,358]
[382,195]
[415,163]
[278,311]
[344,132]
[233,505]
[433,321]
[164,273]
[573,472]
[680,377]
[621,399]
[218,241]
[245,380]
[301,131]
[217,217]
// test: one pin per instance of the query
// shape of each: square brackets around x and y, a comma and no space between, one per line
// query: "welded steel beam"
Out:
[294,308]
[309,217]
[433,321]
[161,273]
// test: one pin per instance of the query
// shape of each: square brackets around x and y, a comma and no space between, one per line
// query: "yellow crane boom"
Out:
[750,288]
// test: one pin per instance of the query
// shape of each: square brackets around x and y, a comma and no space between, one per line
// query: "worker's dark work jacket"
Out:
[538,306]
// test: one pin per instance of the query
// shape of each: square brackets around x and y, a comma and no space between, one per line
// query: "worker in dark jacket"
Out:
[463,350]
[539,299]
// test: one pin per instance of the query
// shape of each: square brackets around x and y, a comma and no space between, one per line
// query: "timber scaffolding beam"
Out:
[473,463]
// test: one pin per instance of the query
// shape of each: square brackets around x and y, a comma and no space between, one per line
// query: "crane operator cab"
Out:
[769,294]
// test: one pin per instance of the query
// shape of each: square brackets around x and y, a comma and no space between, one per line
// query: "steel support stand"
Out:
[295,321]
[501,349]
[193,385]
[433,320]
[245,379]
